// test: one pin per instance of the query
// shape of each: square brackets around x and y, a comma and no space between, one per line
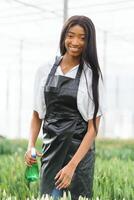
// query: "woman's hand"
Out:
[64,176]
[29,160]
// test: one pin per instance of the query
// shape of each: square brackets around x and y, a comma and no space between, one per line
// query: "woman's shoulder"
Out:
[87,70]
[44,68]
[87,67]
[87,75]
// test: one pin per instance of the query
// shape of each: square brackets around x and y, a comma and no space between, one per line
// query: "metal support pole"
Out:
[20,88]
[65,10]
[104,73]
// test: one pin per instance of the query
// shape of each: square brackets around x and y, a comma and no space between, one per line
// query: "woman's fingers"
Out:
[28,163]
[64,176]
[28,158]
[63,181]
[60,183]
[63,184]
[59,178]
[58,174]
[39,154]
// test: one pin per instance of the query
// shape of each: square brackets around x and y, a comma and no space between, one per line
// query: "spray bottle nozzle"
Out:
[33,152]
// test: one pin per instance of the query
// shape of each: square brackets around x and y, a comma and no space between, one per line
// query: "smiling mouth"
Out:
[74,49]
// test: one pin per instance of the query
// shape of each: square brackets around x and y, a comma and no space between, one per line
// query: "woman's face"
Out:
[75,41]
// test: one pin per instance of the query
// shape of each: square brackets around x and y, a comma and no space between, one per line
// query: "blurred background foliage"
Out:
[113,172]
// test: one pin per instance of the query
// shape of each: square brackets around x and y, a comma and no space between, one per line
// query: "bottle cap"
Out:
[33,152]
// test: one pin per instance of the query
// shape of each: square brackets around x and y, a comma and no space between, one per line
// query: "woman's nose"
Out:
[75,41]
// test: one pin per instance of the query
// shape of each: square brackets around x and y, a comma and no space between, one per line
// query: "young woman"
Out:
[69,104]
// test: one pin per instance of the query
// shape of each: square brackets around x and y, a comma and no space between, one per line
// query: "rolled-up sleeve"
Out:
[38,92]
[101,100]
[85,97]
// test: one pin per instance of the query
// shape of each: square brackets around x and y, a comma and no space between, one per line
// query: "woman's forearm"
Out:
[85,144]
[34,129]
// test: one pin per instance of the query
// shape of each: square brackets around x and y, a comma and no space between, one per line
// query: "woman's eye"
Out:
[70,36]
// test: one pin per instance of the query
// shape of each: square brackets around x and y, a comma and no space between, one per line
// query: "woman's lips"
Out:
[74,49]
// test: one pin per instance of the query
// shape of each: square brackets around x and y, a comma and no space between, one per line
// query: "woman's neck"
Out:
[70,61]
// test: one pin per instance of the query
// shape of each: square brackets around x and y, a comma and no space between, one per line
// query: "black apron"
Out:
[63,131]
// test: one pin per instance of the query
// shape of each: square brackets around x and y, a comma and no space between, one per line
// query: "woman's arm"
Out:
[64,176]
[34,132]
[34,129]
[85,144]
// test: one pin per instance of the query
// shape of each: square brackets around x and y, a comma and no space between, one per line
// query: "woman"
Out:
[70,111]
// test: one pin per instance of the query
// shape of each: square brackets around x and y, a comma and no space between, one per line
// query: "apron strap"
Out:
[79,70]
[53,69]
[56,63]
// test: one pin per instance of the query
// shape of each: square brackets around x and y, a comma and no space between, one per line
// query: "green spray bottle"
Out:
[32,172]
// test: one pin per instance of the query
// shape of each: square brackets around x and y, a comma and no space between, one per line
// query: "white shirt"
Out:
[84,102]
